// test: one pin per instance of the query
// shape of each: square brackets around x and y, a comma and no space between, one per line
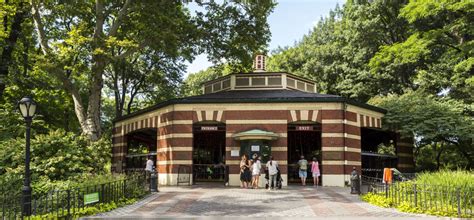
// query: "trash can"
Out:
[355,182]
[154,181]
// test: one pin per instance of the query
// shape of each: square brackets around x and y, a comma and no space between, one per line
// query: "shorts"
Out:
[316,174]
[303,173]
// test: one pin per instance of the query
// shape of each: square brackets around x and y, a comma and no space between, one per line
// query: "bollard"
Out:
[154,181]
[355,182]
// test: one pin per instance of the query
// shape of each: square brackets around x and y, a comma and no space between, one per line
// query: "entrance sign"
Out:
[209,128]
[255,148]
[91,198]
[304,128]
[234,153]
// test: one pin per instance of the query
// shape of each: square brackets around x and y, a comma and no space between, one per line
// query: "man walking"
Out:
[303,165]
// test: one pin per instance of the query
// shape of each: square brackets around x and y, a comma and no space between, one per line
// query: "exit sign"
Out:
[304,128]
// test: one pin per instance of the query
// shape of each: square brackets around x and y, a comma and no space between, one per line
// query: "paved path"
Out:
[295,202]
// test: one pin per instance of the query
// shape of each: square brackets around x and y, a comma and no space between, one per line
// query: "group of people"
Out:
[250,171]
[303,170]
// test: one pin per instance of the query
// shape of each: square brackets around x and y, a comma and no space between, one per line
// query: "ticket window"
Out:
[257,148]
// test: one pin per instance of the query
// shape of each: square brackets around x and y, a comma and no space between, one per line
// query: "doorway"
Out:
[141,145]
[303,139]
[209,153]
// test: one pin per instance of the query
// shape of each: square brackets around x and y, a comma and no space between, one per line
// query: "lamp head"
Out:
[27,107]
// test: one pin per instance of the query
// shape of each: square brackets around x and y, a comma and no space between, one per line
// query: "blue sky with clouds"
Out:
[290,20]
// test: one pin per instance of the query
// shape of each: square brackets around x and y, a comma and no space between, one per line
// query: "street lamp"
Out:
[27,109]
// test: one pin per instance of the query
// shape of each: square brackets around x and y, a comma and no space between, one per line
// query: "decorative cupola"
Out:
[259,79]
[259,63]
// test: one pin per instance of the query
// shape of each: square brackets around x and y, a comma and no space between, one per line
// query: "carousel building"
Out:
[200,139]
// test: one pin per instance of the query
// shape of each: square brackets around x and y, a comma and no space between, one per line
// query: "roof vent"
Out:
[259,63]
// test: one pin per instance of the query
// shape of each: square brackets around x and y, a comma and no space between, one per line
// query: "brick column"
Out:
[340,146]
[404,146]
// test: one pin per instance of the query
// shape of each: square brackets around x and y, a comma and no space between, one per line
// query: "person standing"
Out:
[303,170]
[149,167]
[256,167]
[244,172]
[272,167]
[315,171]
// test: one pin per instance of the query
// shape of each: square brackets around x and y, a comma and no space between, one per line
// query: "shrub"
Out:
[57,155]
[377,199]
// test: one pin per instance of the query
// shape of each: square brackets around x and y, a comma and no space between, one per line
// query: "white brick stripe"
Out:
[341,162]
[171,149]
[175,162]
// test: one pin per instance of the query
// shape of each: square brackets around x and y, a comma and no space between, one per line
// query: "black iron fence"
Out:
[210,173]
[65,204]
[446,200]
[184,175]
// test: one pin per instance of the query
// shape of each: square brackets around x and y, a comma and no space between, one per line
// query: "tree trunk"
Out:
[93,129]
[7,52]
[438,156]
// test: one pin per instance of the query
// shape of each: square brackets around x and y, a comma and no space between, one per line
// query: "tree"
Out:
[438,55]
[337,51]
[80,40]
[146,76]
[193,83]
[14,15]
[437,122]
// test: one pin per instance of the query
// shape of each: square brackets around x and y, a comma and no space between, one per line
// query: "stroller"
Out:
[279,180]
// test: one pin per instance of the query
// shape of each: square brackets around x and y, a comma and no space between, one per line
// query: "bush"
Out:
[441,188]
[57,155]
[456,179]
[377,199]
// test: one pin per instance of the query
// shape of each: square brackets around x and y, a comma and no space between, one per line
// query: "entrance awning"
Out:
[255,134]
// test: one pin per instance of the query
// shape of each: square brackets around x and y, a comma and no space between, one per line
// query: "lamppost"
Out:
[27,108]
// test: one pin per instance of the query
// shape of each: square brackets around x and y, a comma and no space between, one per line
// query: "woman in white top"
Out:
[256,167]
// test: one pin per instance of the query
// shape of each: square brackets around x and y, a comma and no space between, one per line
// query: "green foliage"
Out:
[437,194]
[377,199]
[440,123]
[56,155]
[193,83]
[90,210]
[461,179]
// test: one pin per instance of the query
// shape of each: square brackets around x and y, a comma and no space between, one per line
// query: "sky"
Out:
[290,20]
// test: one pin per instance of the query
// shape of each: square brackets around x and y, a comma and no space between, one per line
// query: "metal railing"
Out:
[426,197]
[68,203]
[184,175]
[210,173]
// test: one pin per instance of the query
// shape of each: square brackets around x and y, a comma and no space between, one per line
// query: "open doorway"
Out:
[303,139]
[209,153]
[378,151]
[141,144]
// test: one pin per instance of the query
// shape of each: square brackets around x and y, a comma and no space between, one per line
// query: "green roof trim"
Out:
[255,134]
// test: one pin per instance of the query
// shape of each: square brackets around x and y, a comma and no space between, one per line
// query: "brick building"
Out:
[263,113]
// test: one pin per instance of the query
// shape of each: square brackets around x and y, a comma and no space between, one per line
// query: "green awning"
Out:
[255,134]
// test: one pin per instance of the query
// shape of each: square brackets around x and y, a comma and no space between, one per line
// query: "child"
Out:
[315,171]
[256,167]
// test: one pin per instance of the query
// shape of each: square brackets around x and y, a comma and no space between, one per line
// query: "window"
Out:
[208,89]
[274,81]
[258,147]
[216,86]
[258,81]
[226,84]
[290,82]
[242,81]
[300,85]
